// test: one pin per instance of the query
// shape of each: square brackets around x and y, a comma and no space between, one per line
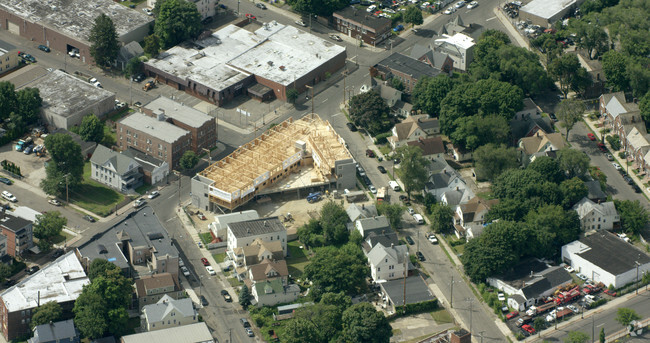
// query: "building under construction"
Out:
[304,154]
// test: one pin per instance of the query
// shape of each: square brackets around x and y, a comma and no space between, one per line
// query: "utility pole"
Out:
[404,273]
[312,100]
[345,74]
[593,337]
[131,91]
[637,275]
[451,298]
[67,195]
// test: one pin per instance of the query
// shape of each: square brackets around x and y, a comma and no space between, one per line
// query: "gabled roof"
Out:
[256,227]
[258,247]
[476,206]
[104,155]
[197,332]
[617,105]
[539,141]
[55,332]
[129,51]
[429,146]
[594,190]
[404,130]
[636,139]
[155,281]
[356,211]
[160,310]
[261,271]
[390,94]
[522,127]
[377,223]
[379,253]
[437,165]
[586,206]
[386,238]
[274,286]
[547,279]
[444,178]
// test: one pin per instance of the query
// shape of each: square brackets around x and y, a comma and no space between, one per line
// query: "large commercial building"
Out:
[296,154]
[234,61]
[546,12]
[64,25]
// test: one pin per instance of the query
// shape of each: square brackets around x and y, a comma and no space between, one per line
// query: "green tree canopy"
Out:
[442,217]
[590,36]
[552,228]
[614,66]
[644,107]
[311,234]
[491,160]
[472,132]
[244,297]
[413,169]
[103,39]
[429,92]
[625,316]
[176,21]
[573,190]
[151,45]
[319,7]
[334,270]
[91,129]
[368,110]
[577,337]
[28,105]
[363,323]
[548,167]
[66,165]
[333,220]
[134,66]
[570,112]
[573,162]
[49,312]
[100,267]
[564,69]
[188,160]
[48,226]
[8,100]
[634,216]
[391,211]
[318,323]
[413,15]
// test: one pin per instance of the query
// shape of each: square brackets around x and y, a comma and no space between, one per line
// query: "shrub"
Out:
[621,154]
[425,306]
[382,138]
[597,303]
[614,141]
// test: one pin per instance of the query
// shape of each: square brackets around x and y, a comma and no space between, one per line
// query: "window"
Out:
[378,269]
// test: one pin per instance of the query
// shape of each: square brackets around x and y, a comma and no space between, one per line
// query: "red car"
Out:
[602,147]
[512,314]
[250,16]
[608,292]
[591,136]
[528,328]
[205,261]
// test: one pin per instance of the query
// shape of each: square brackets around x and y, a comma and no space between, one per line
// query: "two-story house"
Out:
[412,129]
[388,263]
[150,289]
[404,68]
[168,312]
[376,224]
[9,58]
[18,232]
[431,147]
[115,170]
[268,270]
[637,146]
[57,332]
[538,144]
[433,58]
[611,105]
[244,233]
[469,219]
[273,292]
[448,187]
[597,216]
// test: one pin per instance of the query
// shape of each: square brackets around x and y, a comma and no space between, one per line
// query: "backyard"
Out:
[297,259]
[95,197]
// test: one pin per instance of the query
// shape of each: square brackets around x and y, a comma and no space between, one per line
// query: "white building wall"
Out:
[234,242]
[171,321]
[273,298]
[390,270]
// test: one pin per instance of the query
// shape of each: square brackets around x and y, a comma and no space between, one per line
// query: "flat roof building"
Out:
[19,233]
[64,25]
[193,333]
[274,162]
[232,59]
[546,12]
[459,47]
[362,26]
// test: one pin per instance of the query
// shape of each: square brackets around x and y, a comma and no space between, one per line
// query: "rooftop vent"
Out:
[282,68]
[270,63]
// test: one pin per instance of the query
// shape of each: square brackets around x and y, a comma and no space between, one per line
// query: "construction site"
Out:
[294,156]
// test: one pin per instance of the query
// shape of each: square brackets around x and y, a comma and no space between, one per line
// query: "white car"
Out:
[153,194]
[616,165]
[9,196]
[181,263]
[450,10]
[210,270]
[581,276]
[185,271]
[501,296]
[301,23]
[373,190]
[138,203]
[472,4]
[411,211]
[147,11]
[569,269]
[460,4]
[433,239]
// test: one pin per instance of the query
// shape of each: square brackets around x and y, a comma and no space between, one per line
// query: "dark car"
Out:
[602,147]
[204,301]
[370,153]
[33,269]
[5,181]
[58,253]
[420,256]
[89,218]
[260,5]
[138,77]
[351,126]
[226,295]
[381,169]
[409,240]
[552,116]
[403,197]
[628,180]
[43,48]
[205,261]
[366,179]
[9,283]
[636,188]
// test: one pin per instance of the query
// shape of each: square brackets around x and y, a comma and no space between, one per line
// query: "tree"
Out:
[134,66]
[100,267]
[392,211]
[334,270]
[49,312]
[429,92]
[311,234]
[591,37]
[573,162]
[48,226]
[625,316]
[368,110]
[89,309]
[103,39]
[244,297]
[573,190]
[413,16]
[570,112]
[91,129]
[491,160]
[644,107]
[301,330]
[151,45]
[552,227]
[318,323]
[614,67]
[188,160]
[639,77]
[176,21]
[8,100]
[340,300]
[5,271]
[319,7]
[539,324]
[363,323]
[333,220]
[516,183]
[602,337]
[634,216]
[474,131]
[442,218]
[564,69]
[28,105]
[397,84]
[577,337]
[292,95]
[66,165]
[413,170]
[548,167]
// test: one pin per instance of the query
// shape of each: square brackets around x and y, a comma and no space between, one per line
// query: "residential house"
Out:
[436,166]
[153,170]
[115,170]
[219,227]
[273,292]
[385,238]
[431,147]
[60,281]
[404,68]
[435,59]
[268,270]
[193,333]
[356,211]
[168,312]
[469,218]
[375,224]
[388,263]
[528,121]
[18,232]
[128,52]
[430,126]
[458,153]
[637,147]
[4,257]
[59,332]
[459,47]
[528,281]
[244,233]
[604,257]
[362,26]
[404,133]
[393,98]
[9,58]
[597,216]
[625,123]
[595,192]
[539,143]
[257,252]
[448,187]
[611,105]
[150,289]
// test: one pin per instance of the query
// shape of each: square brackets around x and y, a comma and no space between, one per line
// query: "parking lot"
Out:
[32,167]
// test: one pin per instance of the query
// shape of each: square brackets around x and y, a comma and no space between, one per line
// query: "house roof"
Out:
[260,271]
[386,238]
[437,165]
[104,155]
[152,126]
[547,279]
[379,253]
[258,247]
[390,94]
[517,298]
[617,105]
[147,162]
[636,139]
[158,311]
[429,146]
[178,112]
[12,222]
[417,290]
[192,333]
[376,223]
[586,206]
[53,332]
[274,286]
[595,192]
[537,142]
[475,206]
[607,251]
[129,51]
[404,130]
[350,13]
[444,178]
[256,227]
[419,50]
[155,281]
[521,127]
[407,65]
[356,211]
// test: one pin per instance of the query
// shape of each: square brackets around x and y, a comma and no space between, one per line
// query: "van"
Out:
[418,218]
[245,322]
[393,185]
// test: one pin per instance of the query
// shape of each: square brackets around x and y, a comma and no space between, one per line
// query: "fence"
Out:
[622,333]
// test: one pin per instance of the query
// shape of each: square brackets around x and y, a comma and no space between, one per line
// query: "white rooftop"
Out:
[546,8]
[60,281]
[178,111]
[460,40]
[232,54]
[26,213]
[154,127]
[76,18]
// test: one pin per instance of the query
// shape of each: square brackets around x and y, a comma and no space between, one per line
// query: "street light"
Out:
[637,275]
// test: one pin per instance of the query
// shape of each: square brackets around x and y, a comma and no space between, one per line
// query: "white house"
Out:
[448,187]
[604,257]
[539,142]
[470,217]
[459,47]
[244,233]
[388,263]
[273,292]
[377,224]
[405,132]
[595,216]
[115,170]
[168,312]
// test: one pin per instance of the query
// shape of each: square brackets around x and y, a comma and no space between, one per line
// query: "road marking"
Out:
[366,74]
[324,101]
[488,19]
[170,219]
[171,196]
[334,115]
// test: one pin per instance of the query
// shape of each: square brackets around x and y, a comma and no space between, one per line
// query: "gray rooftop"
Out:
[5,47]
[177,111]
[55,332]
[256,227]
[12,222]
[408,66]
[120,162]
[158,311]
[192,333]
[378,223]
[147,162]
[611,253]
[356,211]
[75,18]
[417,290]
[154,127]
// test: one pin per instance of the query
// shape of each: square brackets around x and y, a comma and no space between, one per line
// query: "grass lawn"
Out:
[298,260]
[219,257]
[486,195]
[234,282]
[442,316]
[63,236]
[95,197]
[142,190]
[110,137]
[206,238]
[132,324]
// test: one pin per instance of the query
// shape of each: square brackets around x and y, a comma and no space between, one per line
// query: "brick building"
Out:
[153,136]
[361,25]
[18,232]
[407,69]
[202,127]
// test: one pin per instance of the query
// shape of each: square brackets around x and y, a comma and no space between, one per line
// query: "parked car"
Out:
[153,194]
[591,136]
[260,5]
[512,314]
[138,203]
[616,166]
[210,270]
[609,157]
[44,48]
[602,147]
[411,211]
[460,4]
[420,256]
[372,189]
[205,261]
[226,296]
[6,181]
[33,269]
[450,10]
[54,202]
[569,268]
[250,16]
[501,296]
[581,276]
[398,28]
[370,153]
[9,196]
[409,240]
[381,169]
[138,77]
[528,328]
[185,271]
[609,292]
[249,332]
[336,38]
[58,253]
[351,126]
[148,11]
[433,239]
[636,188]
[472,4]
[204,301]
[301,23]
[89,218]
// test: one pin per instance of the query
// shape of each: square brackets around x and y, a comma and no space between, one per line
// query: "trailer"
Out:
[534,310]
[566,297]
[352,196]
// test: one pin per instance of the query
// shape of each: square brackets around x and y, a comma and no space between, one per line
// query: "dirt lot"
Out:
[31,166]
